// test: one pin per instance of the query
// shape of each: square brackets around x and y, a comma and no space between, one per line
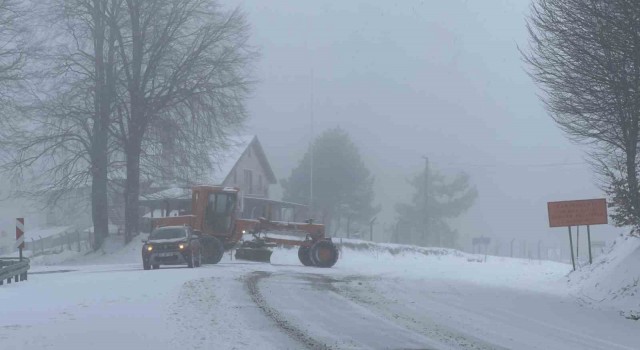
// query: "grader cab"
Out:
[214,216]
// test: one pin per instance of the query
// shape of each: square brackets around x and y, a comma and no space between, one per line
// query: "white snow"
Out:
[377,296]
[170,193]
[39,233]
[412,262]
[613,281]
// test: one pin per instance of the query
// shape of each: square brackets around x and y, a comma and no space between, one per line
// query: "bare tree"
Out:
[585,55]
[13,46]
[60,139]
[184,63]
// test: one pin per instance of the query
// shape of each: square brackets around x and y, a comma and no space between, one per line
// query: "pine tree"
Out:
[446,199]
[342,184]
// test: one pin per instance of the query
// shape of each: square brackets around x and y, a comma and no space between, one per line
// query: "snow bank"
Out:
[613,280]
[41,233]
[420,263]
[113,251]
[375,259]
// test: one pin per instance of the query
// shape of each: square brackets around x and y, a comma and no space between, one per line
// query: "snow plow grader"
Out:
[214,212]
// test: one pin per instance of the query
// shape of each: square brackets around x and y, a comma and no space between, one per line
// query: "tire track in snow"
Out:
[366,295]
[303,299]
[294,332]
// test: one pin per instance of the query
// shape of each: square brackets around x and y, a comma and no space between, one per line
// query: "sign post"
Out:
[578,243]
[480,241]
[573,262]
[576,213]
[20,235]
[589,239]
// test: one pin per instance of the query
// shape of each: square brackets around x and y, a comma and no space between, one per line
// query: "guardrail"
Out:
[13,268]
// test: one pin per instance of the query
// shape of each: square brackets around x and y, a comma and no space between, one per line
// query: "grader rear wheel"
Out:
[304,256]
[323,254]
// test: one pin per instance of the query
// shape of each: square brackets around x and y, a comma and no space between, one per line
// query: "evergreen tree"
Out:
[426,223]
[342,184]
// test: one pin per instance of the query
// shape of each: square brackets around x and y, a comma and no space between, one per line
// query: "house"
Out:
[244,165]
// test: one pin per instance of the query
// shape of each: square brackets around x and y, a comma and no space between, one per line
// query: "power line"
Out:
[513,165]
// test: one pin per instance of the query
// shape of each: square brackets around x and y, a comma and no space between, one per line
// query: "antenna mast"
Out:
[311,149]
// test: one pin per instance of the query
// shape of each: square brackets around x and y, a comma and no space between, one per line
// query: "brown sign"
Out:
[576,213]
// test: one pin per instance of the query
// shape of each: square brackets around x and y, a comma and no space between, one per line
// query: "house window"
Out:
[235,176]
[249,152]
[248,181]
[260,182]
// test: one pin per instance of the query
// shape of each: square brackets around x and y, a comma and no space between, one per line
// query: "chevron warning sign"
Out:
[20,233]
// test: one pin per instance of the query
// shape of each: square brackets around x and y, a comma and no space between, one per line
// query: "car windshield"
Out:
[168,233]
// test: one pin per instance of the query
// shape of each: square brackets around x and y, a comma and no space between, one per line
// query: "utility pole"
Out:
[371,228]
[311,149]
[425,210]
[512,246]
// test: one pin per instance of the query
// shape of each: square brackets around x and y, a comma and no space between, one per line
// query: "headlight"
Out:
[244,232]
[149,248]
[182,245]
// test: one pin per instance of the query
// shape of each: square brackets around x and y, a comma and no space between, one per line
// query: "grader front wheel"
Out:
[211,249]
[303,255]
[323,254]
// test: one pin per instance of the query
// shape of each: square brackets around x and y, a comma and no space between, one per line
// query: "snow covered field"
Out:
[377,296]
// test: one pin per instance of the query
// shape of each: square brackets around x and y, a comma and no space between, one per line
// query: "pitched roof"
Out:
[224,163]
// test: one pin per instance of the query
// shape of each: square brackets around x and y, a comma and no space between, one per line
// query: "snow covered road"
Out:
[236,305]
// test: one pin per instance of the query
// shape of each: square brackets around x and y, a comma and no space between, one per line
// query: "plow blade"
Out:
[254,254]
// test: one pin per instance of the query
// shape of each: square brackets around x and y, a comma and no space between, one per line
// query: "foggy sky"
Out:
[408,79]
[411,78]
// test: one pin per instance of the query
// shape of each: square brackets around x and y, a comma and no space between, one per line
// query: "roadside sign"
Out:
[20,235]
[480,240]
[576,213]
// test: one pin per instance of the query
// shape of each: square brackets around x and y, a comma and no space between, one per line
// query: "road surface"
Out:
[236,305]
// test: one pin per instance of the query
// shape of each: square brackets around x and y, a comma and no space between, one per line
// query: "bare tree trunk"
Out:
[132,190]
[99,145]
[632,181]
[99,196]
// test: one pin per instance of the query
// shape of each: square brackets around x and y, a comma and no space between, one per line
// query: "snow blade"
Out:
[254,254]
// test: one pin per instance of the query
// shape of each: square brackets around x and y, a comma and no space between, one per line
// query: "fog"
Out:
[409,79]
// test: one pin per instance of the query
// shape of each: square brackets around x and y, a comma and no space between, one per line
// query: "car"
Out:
[171,245]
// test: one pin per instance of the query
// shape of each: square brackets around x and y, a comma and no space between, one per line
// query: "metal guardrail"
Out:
[13,268]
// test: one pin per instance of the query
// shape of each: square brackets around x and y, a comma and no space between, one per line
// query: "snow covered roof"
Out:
[170,193]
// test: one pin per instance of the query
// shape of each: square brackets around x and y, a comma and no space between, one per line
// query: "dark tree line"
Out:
[124,90]
[585,56]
